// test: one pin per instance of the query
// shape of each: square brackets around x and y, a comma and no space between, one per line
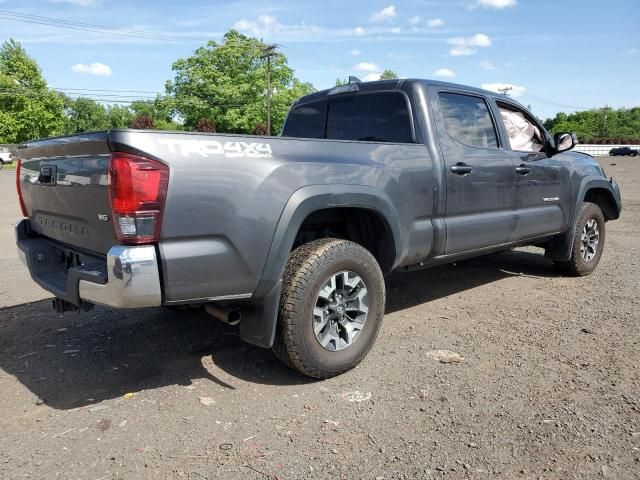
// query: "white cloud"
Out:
[372,77]
[487,65]
[359,31]
[467,45]
[414,20]
[355,52]
[444,72]
[435,22]
[268,25]
[497,4]
[632,51]
[460,51]
[366,67]
[399,56]
[515,90]
[80,3]
[267,19]
[477,40]
[386,13]
[99,69]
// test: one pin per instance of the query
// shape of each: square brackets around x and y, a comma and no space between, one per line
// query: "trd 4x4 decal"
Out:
[214,147]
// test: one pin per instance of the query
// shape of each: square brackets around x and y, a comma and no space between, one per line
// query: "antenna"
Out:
[505,90]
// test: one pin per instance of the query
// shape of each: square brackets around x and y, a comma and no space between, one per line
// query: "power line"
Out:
[64,89]
[111,30]
[103,99]
[317,58]
[28,92]
[104,29]
[557,104]
[52,21]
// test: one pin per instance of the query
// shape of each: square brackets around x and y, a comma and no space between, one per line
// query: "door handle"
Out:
[523,170]
[461,168]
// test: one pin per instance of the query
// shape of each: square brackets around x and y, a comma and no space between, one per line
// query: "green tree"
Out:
[119,116]
[388,75]
[84,115]
[604,125]
[160,110]
[143,122]
[227,83]
[28,109]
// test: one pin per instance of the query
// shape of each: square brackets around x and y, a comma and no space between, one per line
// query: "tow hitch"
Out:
[62,306]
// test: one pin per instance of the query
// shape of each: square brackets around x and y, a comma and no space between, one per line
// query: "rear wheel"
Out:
[588,243]
[331,307]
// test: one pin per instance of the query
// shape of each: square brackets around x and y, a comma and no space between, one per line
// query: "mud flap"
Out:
[559,249]
[259,319]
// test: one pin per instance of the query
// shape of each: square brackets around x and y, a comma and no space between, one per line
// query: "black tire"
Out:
[577,265]
[310,266]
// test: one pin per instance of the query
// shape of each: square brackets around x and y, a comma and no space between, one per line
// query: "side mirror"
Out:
[565,141]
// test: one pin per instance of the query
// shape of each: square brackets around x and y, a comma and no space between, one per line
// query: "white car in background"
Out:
[5,157]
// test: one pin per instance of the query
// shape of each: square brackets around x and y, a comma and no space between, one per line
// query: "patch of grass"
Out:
[10,166]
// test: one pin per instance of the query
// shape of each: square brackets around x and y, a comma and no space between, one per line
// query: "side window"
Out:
[375,117]
[306,121]
[524,135]
[467,119]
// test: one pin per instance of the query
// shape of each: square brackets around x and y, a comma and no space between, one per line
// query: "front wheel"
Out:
[588,243]
[331,308]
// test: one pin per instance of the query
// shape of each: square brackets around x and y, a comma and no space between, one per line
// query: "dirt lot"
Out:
[549,387]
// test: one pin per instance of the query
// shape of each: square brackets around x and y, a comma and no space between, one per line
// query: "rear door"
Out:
[480,175]
[543,193]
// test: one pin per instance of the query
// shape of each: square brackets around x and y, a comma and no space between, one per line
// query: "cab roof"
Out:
[400,84]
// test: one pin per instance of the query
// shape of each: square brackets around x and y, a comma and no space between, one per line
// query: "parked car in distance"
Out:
[290,236]
[623,151]
[5,157]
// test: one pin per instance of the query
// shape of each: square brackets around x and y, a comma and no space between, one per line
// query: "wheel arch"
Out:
[597,190]
[605,199]
[259,327]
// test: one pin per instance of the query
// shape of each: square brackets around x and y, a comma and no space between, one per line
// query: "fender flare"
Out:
[562,246]
[258,324]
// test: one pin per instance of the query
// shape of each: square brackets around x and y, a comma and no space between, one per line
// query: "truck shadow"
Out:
[72,361]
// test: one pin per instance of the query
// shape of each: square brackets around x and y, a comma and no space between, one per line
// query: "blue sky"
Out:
[558,55]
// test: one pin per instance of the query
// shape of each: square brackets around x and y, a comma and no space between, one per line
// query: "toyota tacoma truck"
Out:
[291,236]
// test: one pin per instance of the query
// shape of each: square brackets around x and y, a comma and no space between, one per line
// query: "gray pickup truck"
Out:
[291,236]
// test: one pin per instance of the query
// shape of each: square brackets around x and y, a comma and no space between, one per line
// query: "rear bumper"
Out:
[130,277]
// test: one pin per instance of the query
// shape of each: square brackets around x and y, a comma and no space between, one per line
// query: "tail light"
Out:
[137,192]
[23,207]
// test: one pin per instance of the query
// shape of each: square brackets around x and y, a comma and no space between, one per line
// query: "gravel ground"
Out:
[546,384]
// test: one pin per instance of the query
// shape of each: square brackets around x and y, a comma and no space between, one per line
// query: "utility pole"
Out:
[269,52]
[505,90]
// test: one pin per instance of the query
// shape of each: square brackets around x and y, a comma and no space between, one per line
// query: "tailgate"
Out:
[64,183]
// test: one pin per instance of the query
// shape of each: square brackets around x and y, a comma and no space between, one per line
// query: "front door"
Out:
[480,175]
[543,193]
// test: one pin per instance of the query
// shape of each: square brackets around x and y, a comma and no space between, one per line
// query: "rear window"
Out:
[373,117]
[380,117]
[467,119]
[306,121]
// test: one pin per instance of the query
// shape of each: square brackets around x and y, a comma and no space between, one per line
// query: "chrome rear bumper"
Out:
[129,279]
[133,279]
